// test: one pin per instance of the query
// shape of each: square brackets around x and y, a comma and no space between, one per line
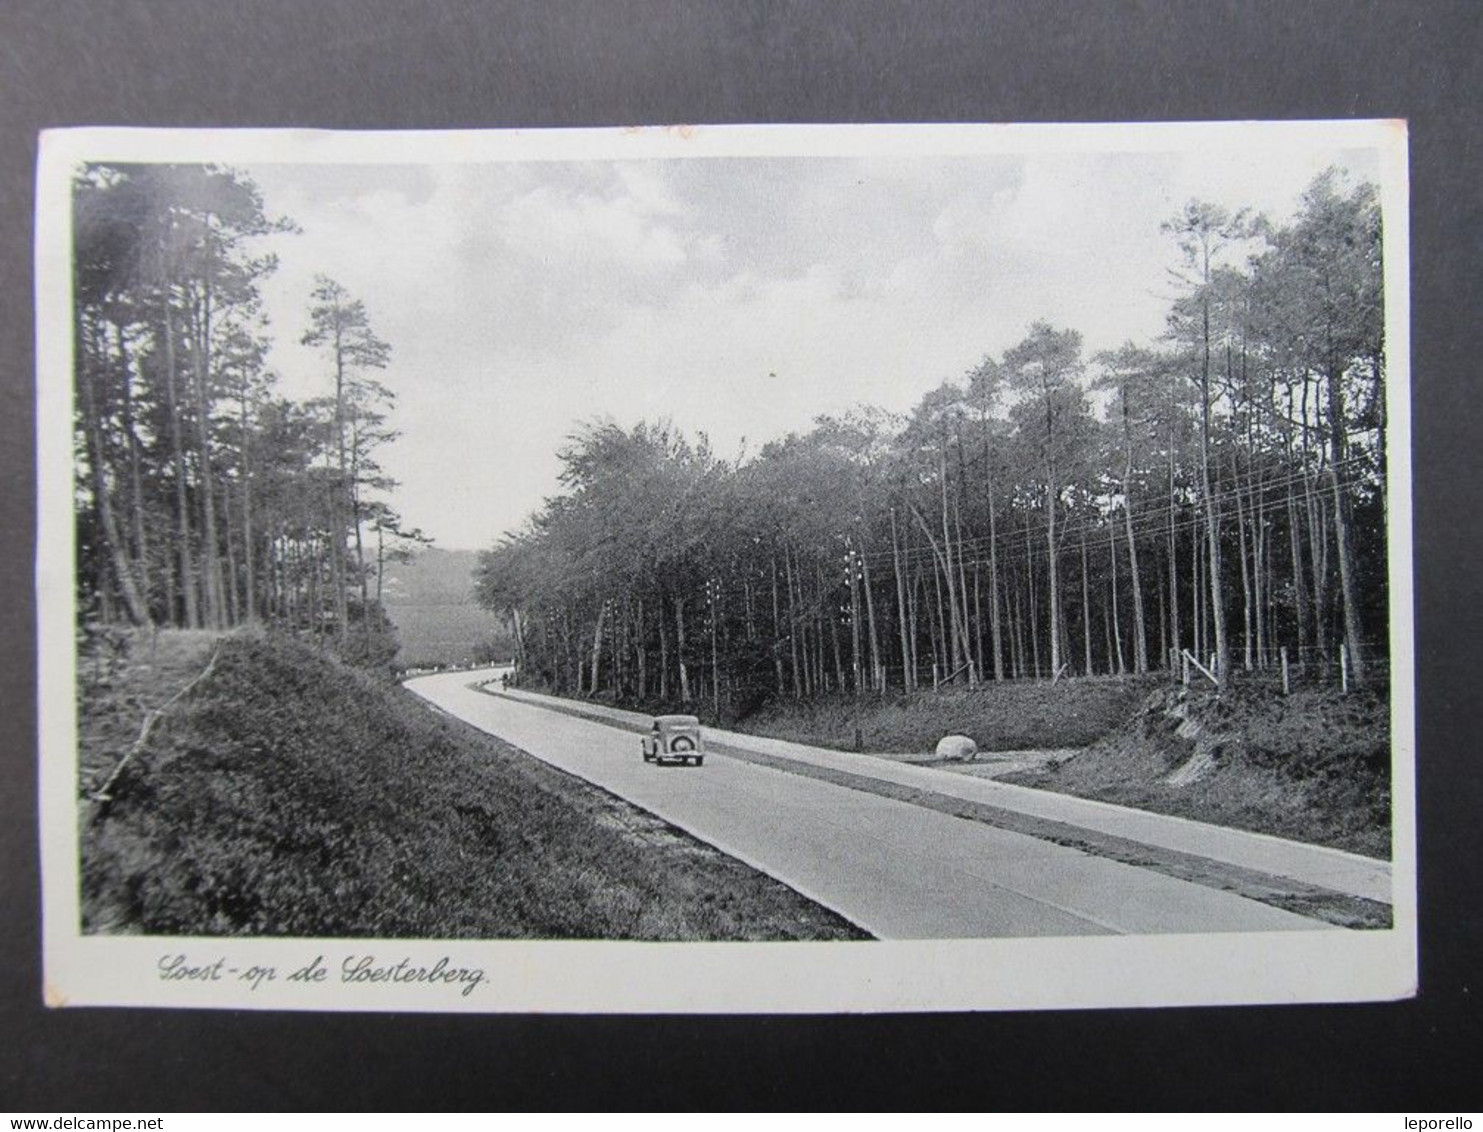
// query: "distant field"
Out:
[430,599]
[443,634]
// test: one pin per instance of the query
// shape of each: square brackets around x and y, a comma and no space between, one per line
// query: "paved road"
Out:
[1312,865]
[899,870]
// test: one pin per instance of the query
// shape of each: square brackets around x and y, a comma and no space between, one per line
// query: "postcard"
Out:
[746,569]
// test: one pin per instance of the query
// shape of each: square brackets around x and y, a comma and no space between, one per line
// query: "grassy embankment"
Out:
[1019,716]
[287,794]
[1313,766]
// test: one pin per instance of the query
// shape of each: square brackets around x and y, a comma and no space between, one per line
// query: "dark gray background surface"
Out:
[379,63]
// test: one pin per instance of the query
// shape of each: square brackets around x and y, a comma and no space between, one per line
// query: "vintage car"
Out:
[674,738]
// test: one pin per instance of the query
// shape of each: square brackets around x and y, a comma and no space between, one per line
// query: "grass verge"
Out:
[289,794]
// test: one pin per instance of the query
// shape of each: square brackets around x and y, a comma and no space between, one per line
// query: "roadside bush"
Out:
[371,643]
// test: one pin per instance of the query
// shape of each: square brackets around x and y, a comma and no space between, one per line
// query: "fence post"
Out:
[934,675]
[1343,667]
[1285,687]
[1184,659]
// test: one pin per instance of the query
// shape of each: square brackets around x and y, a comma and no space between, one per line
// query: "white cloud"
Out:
[580,230]
[738,297]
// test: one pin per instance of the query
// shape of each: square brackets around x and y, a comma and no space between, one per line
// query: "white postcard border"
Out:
[613,977]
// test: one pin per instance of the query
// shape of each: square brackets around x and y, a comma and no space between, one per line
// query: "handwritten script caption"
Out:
[352,969]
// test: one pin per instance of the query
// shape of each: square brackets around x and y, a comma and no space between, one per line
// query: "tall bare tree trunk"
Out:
[978,618]
[214,609]
[140,555]
[1107,634]
[908,674]
[1117,629]
[192,609]
[909,659]
[663,653]
[680,649]
[1053,581]
[995,632]
[641,653]
[1197,586]
[1212,517]
[1017,630]
[1258,560]
[602,614]
[777,628]
[939,639]
[355,519]
[957,641]
[1247,640]
[1086,604]
[233,615]
[1140,628]
[829,615]
[134,605]
[248,550]
[877,665]
[1164,643]
[339,497]
[715,619]
[1353,627]
[794,622]
[856,662]
[1176,637]
[964,620]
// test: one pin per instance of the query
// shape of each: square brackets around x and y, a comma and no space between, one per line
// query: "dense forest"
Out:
[1218,493]
[204,498]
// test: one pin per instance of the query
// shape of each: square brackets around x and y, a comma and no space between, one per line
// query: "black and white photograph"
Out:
[740,569]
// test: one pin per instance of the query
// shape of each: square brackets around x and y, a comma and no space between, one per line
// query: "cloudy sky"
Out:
[739,296]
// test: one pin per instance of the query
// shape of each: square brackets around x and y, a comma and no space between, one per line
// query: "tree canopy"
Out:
[1216,491]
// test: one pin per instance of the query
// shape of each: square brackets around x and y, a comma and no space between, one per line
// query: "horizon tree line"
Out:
[1218,492]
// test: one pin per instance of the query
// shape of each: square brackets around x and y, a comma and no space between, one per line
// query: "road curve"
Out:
[898,870]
